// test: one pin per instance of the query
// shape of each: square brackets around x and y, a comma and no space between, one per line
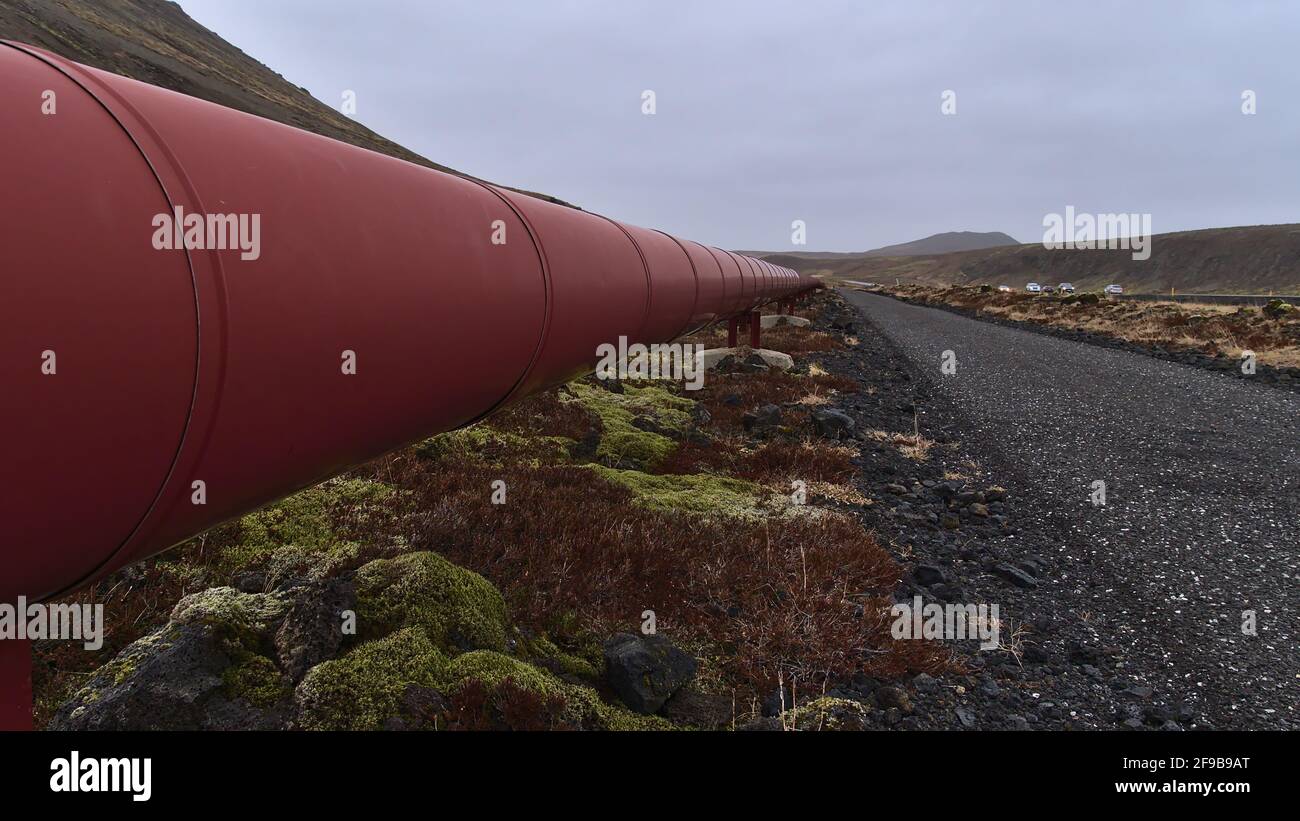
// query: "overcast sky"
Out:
[825,112]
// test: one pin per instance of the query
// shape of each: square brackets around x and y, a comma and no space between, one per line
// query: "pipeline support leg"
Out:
[732,325]
[755,323]
[15,684]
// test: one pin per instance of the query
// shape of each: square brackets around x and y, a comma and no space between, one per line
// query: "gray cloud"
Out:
[825,112]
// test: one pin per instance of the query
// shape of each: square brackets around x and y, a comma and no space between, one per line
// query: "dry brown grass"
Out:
[805,595]
[714,336]
[845,494]
[544,414]
[912,445]
[748,391]
[796,341]
[1215,330]
[777,462]
[787,339]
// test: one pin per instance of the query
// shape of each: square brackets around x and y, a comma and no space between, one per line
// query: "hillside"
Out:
[157,42]
[1253,259]
[945,243]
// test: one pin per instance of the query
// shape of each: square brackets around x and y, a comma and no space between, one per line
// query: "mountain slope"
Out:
[945,243]
[1248,259]
[157,42]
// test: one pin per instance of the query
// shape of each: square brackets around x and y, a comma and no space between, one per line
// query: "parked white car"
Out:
[1066,288]
[1114,289]
[1034,288]
[1005,288]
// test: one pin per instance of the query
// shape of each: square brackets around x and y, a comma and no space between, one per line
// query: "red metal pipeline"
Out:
[149,394]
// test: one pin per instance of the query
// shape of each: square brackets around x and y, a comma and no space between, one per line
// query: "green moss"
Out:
[242,622]
[361,690]
[178,567]
[602,716]
[672,411]
[488,444]
[541,649]
[303,520]
[701,494]
[490,668]
[568,629]
[622,443]
[455,607]
[256,679]
[242,617]
[583,707]
[364,688]
[312,564]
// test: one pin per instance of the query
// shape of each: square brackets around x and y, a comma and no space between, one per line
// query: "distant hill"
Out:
[1249,259]
[944,243]
[157,42]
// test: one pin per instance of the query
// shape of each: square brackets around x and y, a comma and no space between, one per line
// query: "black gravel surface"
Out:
[1131,613]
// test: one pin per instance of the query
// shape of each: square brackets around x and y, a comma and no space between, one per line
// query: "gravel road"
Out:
[1201,520]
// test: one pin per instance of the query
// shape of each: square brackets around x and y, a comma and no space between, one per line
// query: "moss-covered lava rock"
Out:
[364,688]
[210,667]
[640,426]
[246,617]
[456,608]
[503,678]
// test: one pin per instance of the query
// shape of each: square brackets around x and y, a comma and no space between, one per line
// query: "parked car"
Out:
[1033,288]
[1066,288]
[1004,288]
[1048,289]
[1114,289]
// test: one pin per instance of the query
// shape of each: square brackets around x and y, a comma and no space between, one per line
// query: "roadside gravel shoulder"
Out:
[1127,615]
[1282,378]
